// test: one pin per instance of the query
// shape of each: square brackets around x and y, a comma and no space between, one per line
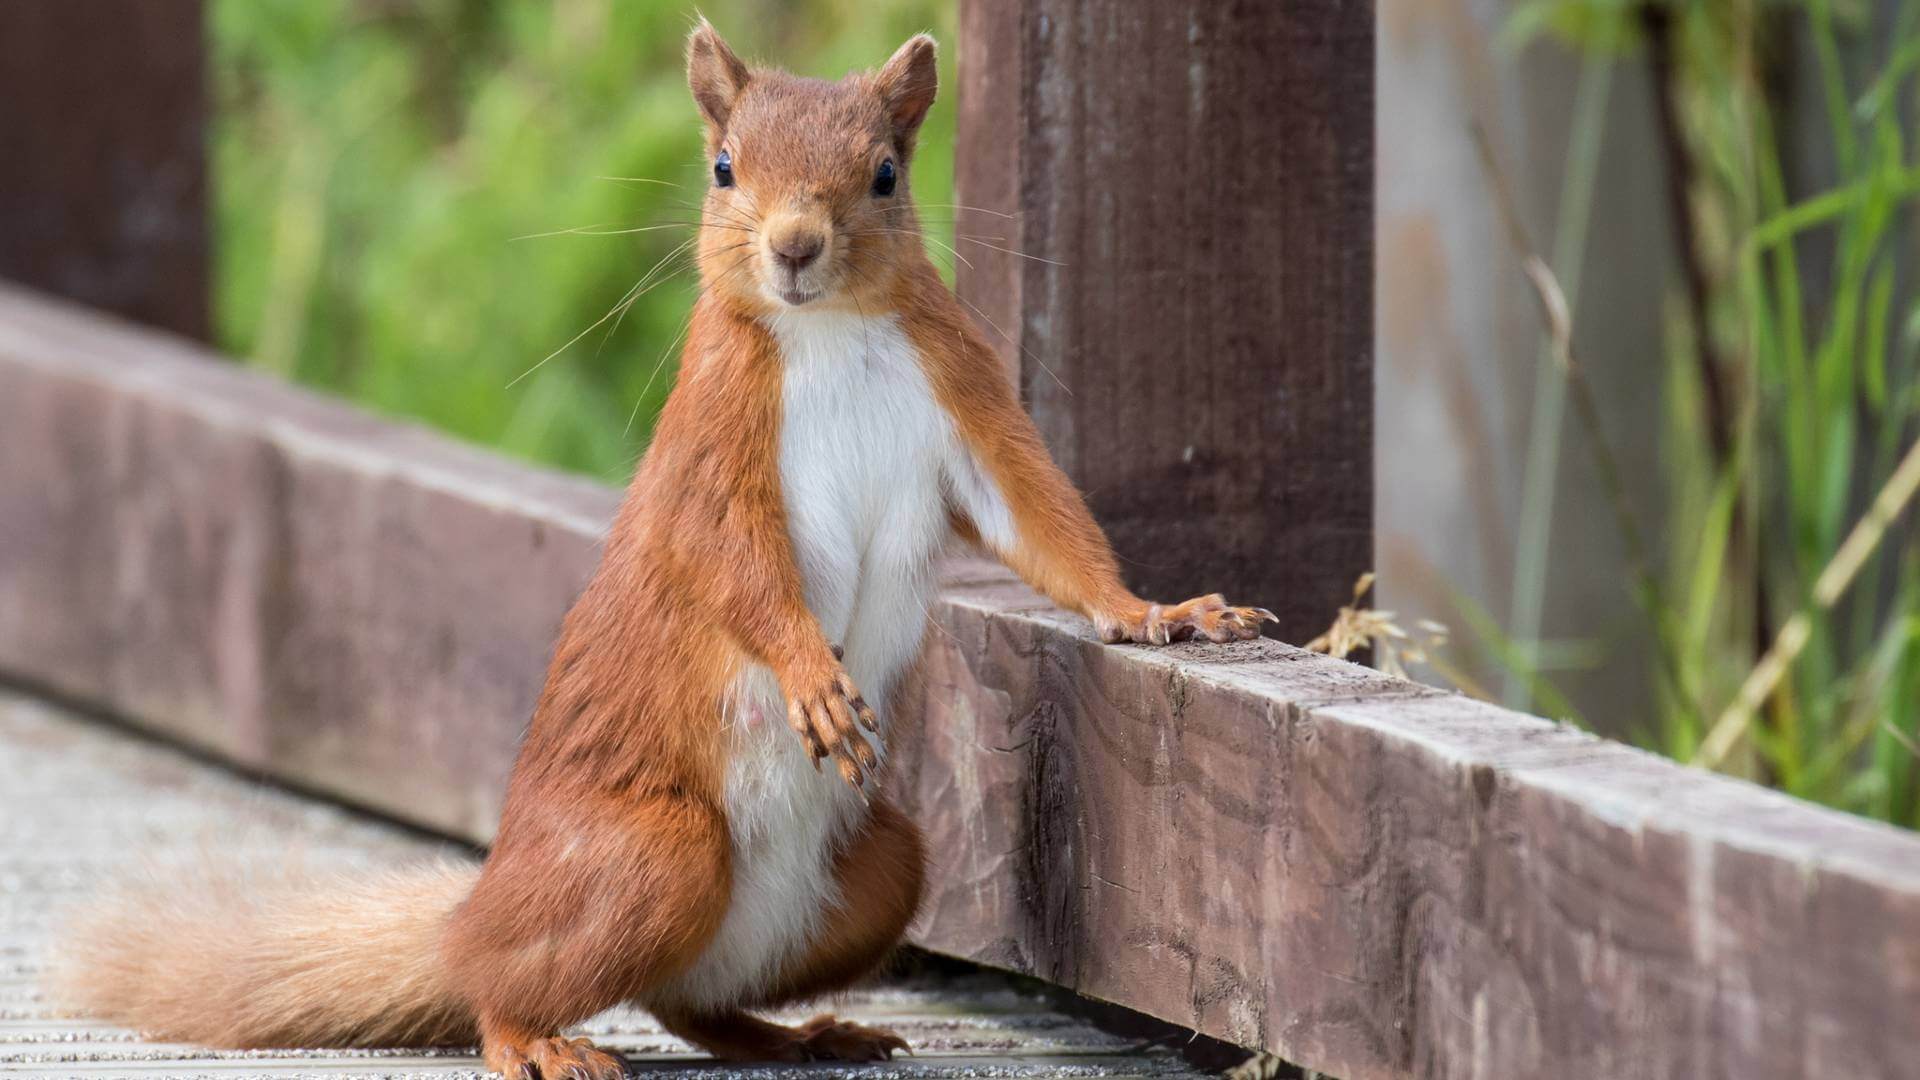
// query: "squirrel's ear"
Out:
[907,84]
[714,73]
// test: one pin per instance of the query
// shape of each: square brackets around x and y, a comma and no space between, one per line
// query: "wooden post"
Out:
[103,173]
[1191,185]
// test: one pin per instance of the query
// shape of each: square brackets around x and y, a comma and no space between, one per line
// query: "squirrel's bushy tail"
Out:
[235,961]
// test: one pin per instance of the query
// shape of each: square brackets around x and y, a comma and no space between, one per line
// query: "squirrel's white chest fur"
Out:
[868,460]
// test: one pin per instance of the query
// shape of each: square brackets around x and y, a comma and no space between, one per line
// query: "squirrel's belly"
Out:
[862,450]
[786,819]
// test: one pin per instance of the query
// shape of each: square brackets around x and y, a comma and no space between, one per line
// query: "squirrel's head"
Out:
[808,200]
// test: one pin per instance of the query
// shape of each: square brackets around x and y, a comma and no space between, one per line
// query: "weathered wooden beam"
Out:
[103,174]
[1189,188]
[1370,877]
[359,605]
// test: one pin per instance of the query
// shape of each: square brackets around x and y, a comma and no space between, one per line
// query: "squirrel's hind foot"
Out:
[828,1038]
[554,1058]
[738,1036]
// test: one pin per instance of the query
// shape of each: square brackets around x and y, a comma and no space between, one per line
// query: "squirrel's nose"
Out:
[797,249]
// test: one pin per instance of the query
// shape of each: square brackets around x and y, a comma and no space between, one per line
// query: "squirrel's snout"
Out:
[795,261]
[797,250]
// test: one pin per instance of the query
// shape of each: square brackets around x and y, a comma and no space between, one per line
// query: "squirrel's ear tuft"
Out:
[714,73]
[907,84]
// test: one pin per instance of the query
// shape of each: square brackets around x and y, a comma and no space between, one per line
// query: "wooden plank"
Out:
[1380,880]
[1369,877]
[103,190]
[1192,186]
[274,576]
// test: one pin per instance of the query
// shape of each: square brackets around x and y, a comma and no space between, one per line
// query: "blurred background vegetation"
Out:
[1781,593]
[381,167]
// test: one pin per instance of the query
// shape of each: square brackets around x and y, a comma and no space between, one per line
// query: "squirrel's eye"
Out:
[723,170]
[884,179]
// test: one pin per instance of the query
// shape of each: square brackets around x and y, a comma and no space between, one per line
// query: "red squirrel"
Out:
[669,838]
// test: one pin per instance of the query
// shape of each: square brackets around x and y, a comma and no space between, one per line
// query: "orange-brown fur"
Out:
[253,957]
[613,865]
[881,874]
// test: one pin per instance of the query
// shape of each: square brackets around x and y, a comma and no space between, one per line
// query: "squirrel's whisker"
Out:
[950,248]
[738,265]
[634,296]
[609,230]
[1008,338]
[1012,251]
[963,206]
[728,217]
[638,180]
[639,289]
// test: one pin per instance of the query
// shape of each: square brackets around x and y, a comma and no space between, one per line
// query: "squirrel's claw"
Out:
[1209,617]
[828,1038]
[828,722]
[555,1057]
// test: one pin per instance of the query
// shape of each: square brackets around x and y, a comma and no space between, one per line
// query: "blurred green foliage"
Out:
[375,161]
[1791,149]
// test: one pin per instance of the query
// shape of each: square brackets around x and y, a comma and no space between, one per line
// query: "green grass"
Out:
[1814,331]
[375,160]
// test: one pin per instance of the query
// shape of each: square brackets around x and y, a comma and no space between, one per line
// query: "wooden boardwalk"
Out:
[82,802]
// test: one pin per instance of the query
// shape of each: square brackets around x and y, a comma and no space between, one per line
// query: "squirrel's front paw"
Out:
[822,708]
[1208,616]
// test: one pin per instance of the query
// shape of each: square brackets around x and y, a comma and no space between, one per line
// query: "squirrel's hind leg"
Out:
[880,875]
[582,905]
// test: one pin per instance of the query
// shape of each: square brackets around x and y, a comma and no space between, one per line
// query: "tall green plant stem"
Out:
[1557,321]
[1572,218]
[1827,590]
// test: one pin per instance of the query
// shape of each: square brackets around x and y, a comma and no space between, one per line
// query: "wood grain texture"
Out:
[1367,876]
[1191,184]
[103,173]
[1376,879]
[309,591]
